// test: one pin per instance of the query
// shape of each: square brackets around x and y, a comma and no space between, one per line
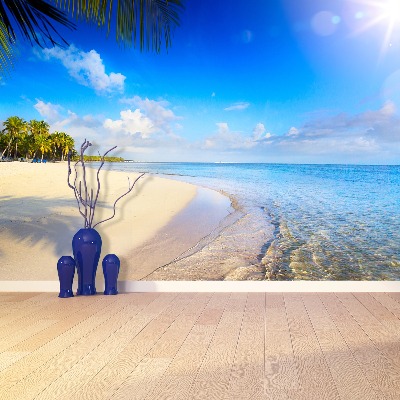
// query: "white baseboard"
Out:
[217,286]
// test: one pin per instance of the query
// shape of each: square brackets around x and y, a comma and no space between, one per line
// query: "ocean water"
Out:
[325,222]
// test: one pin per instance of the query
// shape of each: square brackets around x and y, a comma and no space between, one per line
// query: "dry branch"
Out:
[87,204]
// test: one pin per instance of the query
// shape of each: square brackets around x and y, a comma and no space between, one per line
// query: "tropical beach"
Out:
[283,170]
[208,222]
[39,217]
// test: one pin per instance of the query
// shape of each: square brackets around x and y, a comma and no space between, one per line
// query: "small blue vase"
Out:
[111,266]
[86,246]
[66,272]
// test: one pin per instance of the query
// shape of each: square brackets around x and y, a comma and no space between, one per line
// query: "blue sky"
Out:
[267,81]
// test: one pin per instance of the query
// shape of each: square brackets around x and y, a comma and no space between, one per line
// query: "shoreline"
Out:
[39,216]
[234,251]
[198,222]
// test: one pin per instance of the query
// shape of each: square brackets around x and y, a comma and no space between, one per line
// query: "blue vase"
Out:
[111,266]
[86,246]
[66,272]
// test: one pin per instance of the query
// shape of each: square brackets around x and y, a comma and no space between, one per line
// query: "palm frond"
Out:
[6,46]
[35,19]
[147,23]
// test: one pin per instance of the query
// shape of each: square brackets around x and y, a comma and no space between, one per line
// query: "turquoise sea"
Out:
[328,222]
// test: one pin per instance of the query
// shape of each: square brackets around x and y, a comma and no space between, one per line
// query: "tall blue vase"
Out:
[86,246]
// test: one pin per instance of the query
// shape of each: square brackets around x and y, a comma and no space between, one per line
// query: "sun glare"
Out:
[380,10]
[374,13]
[391,14]
[392,10]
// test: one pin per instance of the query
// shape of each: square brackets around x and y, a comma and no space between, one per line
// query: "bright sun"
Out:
[391,15]
[381,11]
[392,9]
[384,13]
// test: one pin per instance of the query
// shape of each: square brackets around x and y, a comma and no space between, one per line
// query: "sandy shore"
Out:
[159,220]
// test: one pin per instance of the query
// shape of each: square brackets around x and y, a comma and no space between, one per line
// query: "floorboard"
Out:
[183,346]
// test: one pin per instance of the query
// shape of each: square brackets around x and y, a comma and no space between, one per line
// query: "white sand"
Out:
[39,215]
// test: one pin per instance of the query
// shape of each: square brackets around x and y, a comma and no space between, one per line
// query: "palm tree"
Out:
[62,143]
[38,128]
[3,139]
[26,144]
[55,143]
[14,127]
[20,137]
[149,22]
[43,143]
[67,145]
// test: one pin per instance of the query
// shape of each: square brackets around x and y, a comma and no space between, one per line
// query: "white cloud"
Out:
[132,123]
[260,133]
[156,110]
[293,131]
[388,109]
[237,106]
[222,127]
[61,119]
[150,126]
[49,111]
[225,139]
[87,68]
[158,114]
[79,127]
[371,136]
[381,124]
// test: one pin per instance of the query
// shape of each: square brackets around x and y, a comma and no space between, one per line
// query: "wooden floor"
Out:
[200,346]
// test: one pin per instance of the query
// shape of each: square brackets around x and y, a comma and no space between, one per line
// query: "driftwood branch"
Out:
[74,187]
[120,197]
[87,201]
[98,181]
